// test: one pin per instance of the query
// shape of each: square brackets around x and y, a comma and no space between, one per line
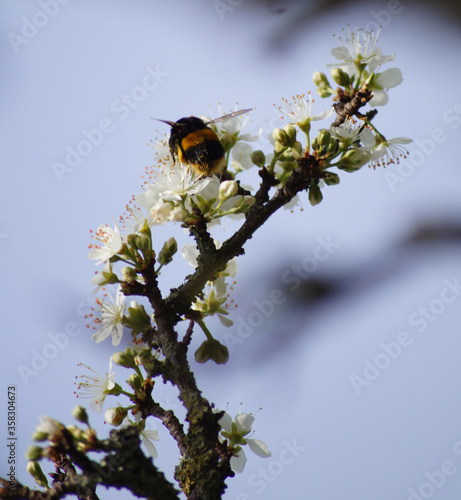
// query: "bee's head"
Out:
[192,123]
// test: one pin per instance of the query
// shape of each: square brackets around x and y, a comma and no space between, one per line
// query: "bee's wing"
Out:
[231,115]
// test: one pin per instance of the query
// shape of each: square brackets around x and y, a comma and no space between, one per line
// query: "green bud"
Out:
[34,453]
[315,195]
[331,179]
[316,146]
[323,85]
[143,242]
[320,79]
[322,141]
[137,320]
[212,349]
[340,77]
[39,436]
[135,382]
[291,133]
[166,253]
[279,148]
[324,138]
[281,137]
[77,433]
[34,469]
[131,240]
[353,160]
[125,359]
[80,414]
[109,278]
[298,147]
[258,158]
[332,147]
[325,92]
[204,205]
[143,358]
[287,156]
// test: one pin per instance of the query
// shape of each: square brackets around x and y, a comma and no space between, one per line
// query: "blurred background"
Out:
[347,327]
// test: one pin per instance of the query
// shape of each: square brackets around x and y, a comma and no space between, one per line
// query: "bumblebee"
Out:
[194,143]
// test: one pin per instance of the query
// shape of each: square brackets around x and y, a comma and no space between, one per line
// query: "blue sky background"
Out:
[329,439]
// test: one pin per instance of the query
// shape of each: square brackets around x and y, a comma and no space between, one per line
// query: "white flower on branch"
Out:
[235,431]
[112,311]
[111,240]
[95,387]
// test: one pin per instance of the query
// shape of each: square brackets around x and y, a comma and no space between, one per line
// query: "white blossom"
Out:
[111,240]
[96,387]
[112,311]
[300,111]
[359,50]
[235,431]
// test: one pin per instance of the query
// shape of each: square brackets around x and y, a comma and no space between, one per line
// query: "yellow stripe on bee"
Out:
[198,137]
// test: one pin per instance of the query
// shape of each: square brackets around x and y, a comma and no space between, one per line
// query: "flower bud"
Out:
[80,414]
[143,242]
[298,147]
[115,416]
[258,158]
[34,453]
[320,79]
[137,320]
[325,92]
[227,189]
[135,382]
[331,179]
[287,156]
[324,138]
[353,160]
[131,240]
[212,349]
[125,359]
[77,433]
[281,137]
[291,133]
[39,436]
[315,195]
[340,77]
[143,358]
[166,253]
[34,469]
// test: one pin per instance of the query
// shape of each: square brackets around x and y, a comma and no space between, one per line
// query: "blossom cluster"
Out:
[175,194]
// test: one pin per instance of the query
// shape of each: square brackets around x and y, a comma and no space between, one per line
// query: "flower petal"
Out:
[259,448]
[238,463]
